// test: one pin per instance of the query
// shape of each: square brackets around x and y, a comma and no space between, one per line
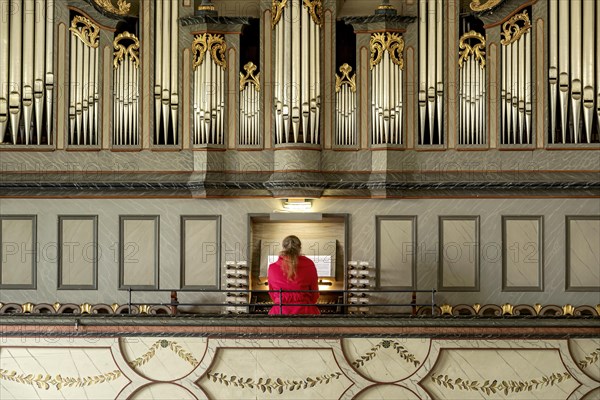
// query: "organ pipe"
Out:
[472,89]
[386,89]
[209,83]
[126,82]
[345,88]
[26,70]
[431,84]
[297,90]
[249,106]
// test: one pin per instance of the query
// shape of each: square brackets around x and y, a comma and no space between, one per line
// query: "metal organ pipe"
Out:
[166,64]
[386,87]
[209,88]
[574,56]
[297,94]
[84,49]
[249,106]
[26,70]
[516,80]
[345,87]
[472,89]
[126,72]
[431,85]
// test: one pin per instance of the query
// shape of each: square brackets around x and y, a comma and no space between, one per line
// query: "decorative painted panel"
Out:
[18,252]
[77,252]
[522,253]
[365,368]
[138,252]
[200,252]
[396,240]
[583,253]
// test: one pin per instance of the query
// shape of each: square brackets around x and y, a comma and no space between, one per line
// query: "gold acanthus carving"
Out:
[345,79]
[477,6]
[249,78]
[132,49]
[512,31]
[213,43]
[390,42]
[122,8]
[85,30]
[315,9]
[276,10]
[477,50]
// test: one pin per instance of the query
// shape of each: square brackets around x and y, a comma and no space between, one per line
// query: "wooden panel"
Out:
[459,254]
[396,239]
[138,252]
[200,252]
[522,255]
[18,252]
[583,253]
[77,252]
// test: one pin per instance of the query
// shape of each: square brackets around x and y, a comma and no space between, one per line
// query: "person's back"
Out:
[290,272]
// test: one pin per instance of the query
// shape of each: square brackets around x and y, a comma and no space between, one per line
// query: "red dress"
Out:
[306,279]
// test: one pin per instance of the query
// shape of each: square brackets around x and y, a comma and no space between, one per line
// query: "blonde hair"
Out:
[291,250]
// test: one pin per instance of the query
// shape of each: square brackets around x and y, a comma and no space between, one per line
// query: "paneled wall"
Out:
[530,250]
[359,368]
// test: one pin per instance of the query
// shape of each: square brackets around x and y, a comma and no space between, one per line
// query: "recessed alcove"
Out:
[324,239]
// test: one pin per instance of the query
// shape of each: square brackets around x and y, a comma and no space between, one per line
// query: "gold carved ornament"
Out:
[392,42]
[511,29]
[207,42]
[85,30]
[122,8]
[477,50]
[477,6]
[120,50]
[249,78]
[345,79]
[276,10]
[315,9]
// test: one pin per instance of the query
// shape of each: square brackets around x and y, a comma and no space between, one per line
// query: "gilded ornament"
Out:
[489,4]
[345,79]
[446,309]
[391,42]
[511,29]
[249,78]
[207,42]
[276,10]
[476,307]
[568,309]
[85,30]
[477,49]
[86,308]
[27,307]
[122,8]
[56,306]
[537,307]
[120,50]
[114,307]
[315,9]
[144,309]
[507,309]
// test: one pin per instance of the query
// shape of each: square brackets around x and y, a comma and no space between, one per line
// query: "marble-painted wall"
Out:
[362,246]
[169,367]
